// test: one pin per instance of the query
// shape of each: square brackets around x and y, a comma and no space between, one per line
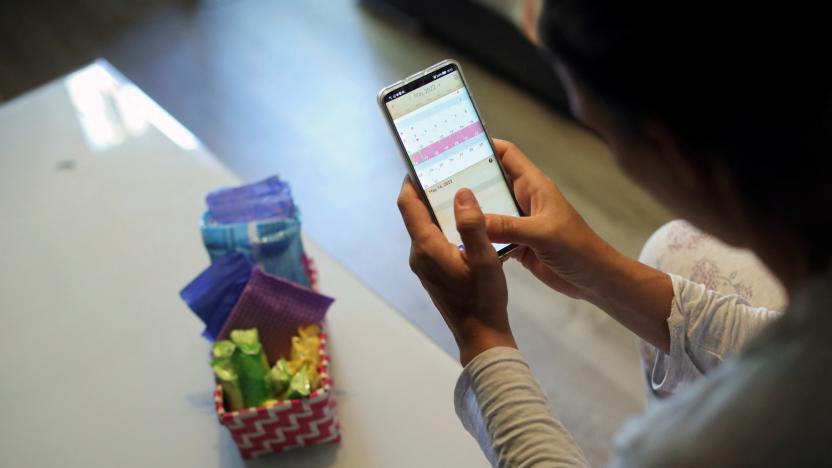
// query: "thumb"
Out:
[521,230]
[470,222]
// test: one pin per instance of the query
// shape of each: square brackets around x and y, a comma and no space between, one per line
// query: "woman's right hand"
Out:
[556,244]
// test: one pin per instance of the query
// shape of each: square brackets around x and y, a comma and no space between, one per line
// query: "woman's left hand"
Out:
[467,286]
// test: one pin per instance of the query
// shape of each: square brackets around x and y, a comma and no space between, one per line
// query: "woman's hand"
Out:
[467,286]
[561,250]
[556,244]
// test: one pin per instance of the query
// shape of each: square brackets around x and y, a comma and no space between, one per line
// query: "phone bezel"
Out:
[387,90]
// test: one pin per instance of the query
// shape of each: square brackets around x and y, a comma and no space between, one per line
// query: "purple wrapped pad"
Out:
[276,307]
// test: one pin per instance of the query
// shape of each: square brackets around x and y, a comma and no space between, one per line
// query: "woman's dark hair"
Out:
[750,87]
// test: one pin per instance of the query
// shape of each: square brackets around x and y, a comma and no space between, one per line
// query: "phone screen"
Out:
[447,146]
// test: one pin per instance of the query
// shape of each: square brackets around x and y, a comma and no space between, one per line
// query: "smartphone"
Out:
[445,145]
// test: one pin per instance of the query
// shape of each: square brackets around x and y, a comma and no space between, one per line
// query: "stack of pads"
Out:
[258,302]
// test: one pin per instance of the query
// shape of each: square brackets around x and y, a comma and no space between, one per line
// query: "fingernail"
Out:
[466,199]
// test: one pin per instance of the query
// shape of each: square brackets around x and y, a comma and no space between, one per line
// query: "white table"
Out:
[102,364]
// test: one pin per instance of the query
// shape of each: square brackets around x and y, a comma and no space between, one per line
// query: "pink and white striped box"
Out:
[287,424]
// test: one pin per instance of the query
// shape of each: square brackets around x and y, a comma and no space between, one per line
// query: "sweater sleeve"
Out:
[706,327]
[501,404]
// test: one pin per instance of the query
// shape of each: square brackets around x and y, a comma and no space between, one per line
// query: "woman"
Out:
[722,120]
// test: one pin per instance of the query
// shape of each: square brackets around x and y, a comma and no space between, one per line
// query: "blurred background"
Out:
[289,87]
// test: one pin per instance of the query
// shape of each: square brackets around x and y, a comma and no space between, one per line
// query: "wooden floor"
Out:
[289,88]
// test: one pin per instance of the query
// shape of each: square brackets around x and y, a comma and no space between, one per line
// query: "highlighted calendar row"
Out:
[444,144]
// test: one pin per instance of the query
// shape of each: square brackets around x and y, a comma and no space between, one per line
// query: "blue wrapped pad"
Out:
[261,221]
[213,294]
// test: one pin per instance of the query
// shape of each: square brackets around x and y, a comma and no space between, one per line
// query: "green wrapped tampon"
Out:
[279,378]
[299,387]
[245,336]
[223,349]
[230,383]
[249,361]
[249,337]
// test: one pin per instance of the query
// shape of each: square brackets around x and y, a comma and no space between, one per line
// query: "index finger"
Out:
[514,161]
[415,214]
